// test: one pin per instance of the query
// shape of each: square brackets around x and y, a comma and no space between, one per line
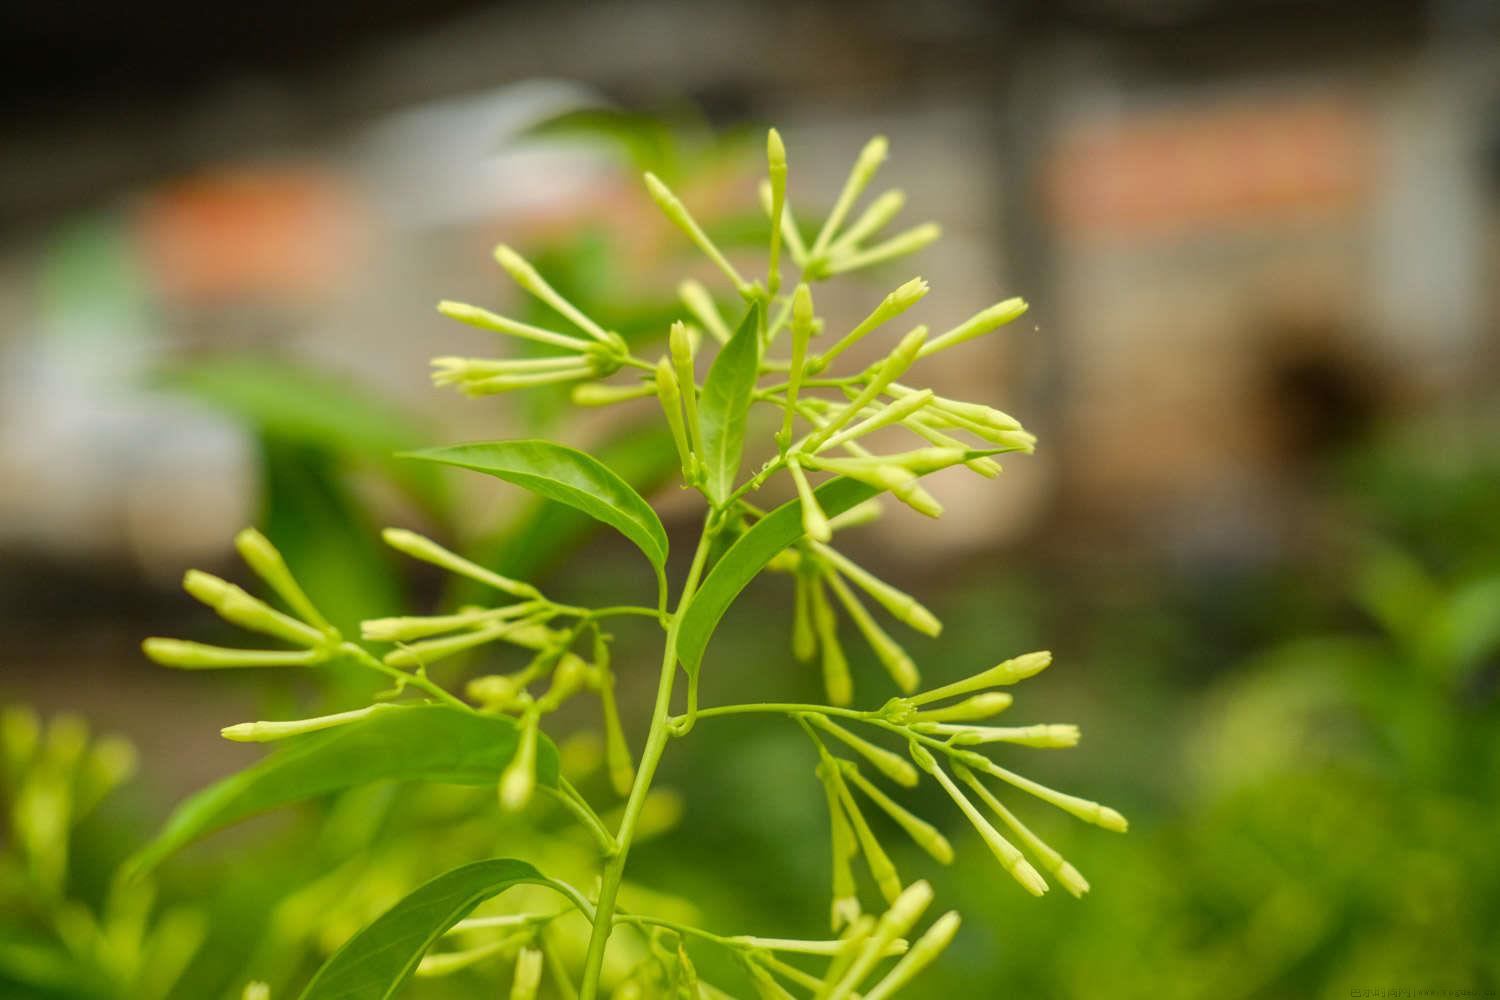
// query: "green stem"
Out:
[416,680]
[656,741]
[786,708]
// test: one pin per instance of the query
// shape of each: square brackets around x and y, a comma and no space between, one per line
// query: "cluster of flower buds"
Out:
[947,730]
[305,627]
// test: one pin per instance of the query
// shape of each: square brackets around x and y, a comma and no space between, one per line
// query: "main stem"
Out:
[656,742]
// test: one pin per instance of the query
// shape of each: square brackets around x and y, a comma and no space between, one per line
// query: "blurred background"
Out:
[1261,533]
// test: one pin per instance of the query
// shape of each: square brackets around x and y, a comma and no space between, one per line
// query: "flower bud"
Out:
[1084,809]
[776,169]
[262,557]
[428,651]
[980,323]
[1066,875]
[239,608]
[901,606]
[264,732]
[528,976]
[900,245]
[485,320]
[675,210]
[895,660]
[836,679]
[412,544]
[874,218]
[567,677]
[814,521]
[670,395]
[1031,736]
[804,640]
[845,905]
[893,305]
[980,706]
[789,232]
[922,954]
[1007,672]
[887,763]
[256,991]
[890,413]
[802,330]
[923,833]
[527,277]
[518,780]
[494,691]
[896,921]
[1004,851]
[766,987]
[701,305]
[594,394]
[197,656]
[869,161]
[616,749]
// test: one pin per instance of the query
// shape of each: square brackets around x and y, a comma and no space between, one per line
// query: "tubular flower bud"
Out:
[496,691]
[776,169]
[527,277]
[891,413]
[671,405]
[873,219]
[701,305]
[922,954]
[980,706]
[675,210]
[1031,736]
[425,549]
[900,245]
[239,608]
[889,370]
[593,394]
[1004,851]
[1007,672]
[879,863]
[986,416]
[804,640]
[895,660]
[197,656]
[865,512]
[766,987]
[900,605]
[485,320]
[918,424]
[616,750]
[893,305]
[528,976]
[887,763]
[518,780]
[923,833]
[899,482]
[789,232]
[264,732]
[567,677]
[869,161]
[483,377]
[421,626]
[1066,874]
[1084,809]
[682,366]
[977,325]
[836,679]
[845,906]
[896,921]
[814,521]
[429,651]
[262,557]
[802,328]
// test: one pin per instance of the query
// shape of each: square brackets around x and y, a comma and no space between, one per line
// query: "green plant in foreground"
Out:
[493,734]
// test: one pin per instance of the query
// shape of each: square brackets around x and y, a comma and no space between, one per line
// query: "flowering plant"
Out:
[492,734]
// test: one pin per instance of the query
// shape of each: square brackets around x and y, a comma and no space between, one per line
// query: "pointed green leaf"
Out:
[725,404]
[747,557]
[400,743]
[567,476]
[378,961]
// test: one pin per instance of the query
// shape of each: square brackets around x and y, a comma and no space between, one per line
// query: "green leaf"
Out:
[567,476]
[747,557]
[725,404]
[402,743]
[378,961]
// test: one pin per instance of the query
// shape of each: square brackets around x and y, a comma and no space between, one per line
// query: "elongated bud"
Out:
[528,977]
[425,549]
[900,605]
[977,325]
[256,991]
[889,652]
[890,369]
[567,677]
[864,512]
[429,651]
[616,749]
[802,329]
[1085,809]
[890,413]
[594,394]
[814,521]
[682,366]
[923,833]
[197,656]
[922,954]
[836,679]
[1004,851]
[1068,876]
[518,780]
[239,608]
[407,628]
[527,277]
[1009,671]
[804,639]
[262,557]
[264,732]
[855,939]
[776,169]
[675,210]
[981,706]
[766,987]
[671,405]
[893,305]
[845,906]
[869,161]
[918,423]
[900,245]
[976,413]
[701,305]
[1031,736]
[789,231]
[898,481]
[881,869]
[494,691]
[486,320]
[886,762]
[873,219]
[896,921]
